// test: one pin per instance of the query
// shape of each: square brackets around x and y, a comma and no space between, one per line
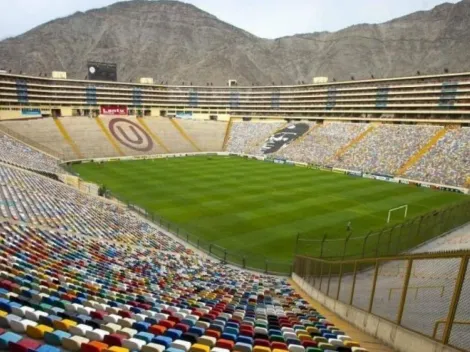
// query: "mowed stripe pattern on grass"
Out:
[258,207]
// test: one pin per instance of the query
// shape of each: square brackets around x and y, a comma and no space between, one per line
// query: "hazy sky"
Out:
[264,18]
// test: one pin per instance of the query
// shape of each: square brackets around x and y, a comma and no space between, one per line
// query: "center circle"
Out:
[142,142]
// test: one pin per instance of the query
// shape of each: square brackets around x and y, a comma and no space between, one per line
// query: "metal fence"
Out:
[245,260]
[390,240]
[427,293]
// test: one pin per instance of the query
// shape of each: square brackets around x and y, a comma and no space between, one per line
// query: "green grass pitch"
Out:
[257,207]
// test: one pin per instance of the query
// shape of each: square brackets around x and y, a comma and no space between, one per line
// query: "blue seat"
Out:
[5,305]
[231,330]
[48,348]
[151,321]
[188,322]
[141,326]
[145,336]
[196,330]
[48,320]
[231,337]
[55,338]
[8,337]
[245,339]
[172,349]
[163,340]
[173,334]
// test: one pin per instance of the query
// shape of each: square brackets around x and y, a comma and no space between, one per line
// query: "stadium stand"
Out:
[207,135]
[426,104]
[91,276]
[386,148]
[16,153]
[247,137]
[83,274]
[321,144]
[448,162]
[44,133]
[170,136]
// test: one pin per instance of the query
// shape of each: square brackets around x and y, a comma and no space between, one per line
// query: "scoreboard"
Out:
[102,71]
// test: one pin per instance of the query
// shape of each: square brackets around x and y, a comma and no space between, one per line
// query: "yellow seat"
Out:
[261,349]
[64,325]
[37,332]
[199,347]
[352,344]
[304,337]
[3,314]
[117,349]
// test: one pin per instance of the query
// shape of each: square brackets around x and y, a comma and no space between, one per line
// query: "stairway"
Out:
[184,134]
[155,138]
[108,136]
[67,138]
[227,134]
[420,153]
[354,141]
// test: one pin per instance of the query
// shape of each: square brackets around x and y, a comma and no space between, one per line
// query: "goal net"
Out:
[403,208]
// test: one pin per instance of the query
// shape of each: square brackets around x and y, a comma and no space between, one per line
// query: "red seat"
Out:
[23,345]
[114,339]
[157,329]
[212,333]
[262,342]
[167,323]
[182,327]
[309,343]
[222,343]
[93,346]
[279,345]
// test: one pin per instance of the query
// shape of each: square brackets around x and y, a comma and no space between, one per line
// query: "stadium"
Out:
[324,216]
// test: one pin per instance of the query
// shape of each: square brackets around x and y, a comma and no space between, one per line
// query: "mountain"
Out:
[175,42]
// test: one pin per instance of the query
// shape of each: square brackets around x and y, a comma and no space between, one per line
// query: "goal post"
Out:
[395,209]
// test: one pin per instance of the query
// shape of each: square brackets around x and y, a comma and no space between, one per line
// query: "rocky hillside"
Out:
[175,42]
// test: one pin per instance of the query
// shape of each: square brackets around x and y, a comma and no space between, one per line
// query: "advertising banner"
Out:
[114,110]
[31,112]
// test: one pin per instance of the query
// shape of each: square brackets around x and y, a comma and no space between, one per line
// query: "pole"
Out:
[322,243]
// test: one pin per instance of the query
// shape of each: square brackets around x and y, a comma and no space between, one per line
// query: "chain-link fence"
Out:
[390,240]
[426,293]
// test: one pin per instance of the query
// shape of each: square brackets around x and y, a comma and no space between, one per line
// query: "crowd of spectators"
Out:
[248,137]
[321,144]
[384,150]
[387,148]
[19,154]
[448,162]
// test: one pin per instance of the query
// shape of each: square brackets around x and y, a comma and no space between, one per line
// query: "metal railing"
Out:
[431,290]
[391,240]
[245,259]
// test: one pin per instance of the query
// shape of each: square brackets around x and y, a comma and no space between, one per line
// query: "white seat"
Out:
[207,340]
[181,345]
[133,344]
[296,348]
[153,347]
[80,329]
[96,335]
[112,318]
[128,332]
[74,343]
[20,326]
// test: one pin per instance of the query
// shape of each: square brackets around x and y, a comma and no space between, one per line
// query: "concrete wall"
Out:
[10,114]
[397,337]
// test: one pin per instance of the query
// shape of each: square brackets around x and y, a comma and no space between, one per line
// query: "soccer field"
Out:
[258,208]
